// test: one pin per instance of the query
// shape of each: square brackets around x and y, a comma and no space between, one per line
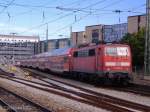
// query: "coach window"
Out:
[75,54]
[92,52]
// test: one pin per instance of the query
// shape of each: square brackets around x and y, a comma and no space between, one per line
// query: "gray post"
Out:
[47,37]
[147,40]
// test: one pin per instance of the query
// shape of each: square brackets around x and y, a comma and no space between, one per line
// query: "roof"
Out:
[79,32]
[94,25]
[56,52]
[137,15]
[116,24]
[54,40]
[19,36]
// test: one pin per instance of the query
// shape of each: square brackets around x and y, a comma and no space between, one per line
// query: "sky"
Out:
[31,17]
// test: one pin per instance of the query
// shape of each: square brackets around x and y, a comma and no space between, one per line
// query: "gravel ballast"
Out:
[51,101]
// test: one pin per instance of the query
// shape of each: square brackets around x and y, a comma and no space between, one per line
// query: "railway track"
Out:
[83,95]
[16,103]
[5,107]
[132,88]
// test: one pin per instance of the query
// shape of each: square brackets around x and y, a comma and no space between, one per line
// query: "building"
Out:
[14,47]
[114,32]
[94,33]
[64,42]
[52,44]
[40,47]
[78,38]
[135,23]
[44,46]
[99,33]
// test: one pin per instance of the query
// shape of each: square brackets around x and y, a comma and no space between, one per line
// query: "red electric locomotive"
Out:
[107,62]
[104,62]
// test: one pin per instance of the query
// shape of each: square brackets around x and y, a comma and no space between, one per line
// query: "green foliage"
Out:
[137,44]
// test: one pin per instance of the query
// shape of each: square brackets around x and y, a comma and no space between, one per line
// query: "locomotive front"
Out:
[117,62]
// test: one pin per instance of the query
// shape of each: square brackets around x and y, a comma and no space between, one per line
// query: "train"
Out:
[100,63]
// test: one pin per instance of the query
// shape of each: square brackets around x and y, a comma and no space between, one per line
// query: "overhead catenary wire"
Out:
[9,4]
[64,27]
[91,13]
[55,7]
[29,11]
[111,4]
[74,2]
[63,16]
[36,6]
[74,11]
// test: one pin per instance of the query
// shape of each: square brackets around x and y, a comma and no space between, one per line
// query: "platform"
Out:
[147,77]
[141,79]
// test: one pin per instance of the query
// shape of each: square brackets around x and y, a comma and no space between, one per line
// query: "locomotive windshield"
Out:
[117,51]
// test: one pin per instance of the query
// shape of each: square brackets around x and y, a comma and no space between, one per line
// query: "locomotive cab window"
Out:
[92,52]
[117,51]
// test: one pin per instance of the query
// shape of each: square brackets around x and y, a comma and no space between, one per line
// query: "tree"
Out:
[137,44]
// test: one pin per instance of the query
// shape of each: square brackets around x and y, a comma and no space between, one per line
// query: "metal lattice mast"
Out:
[147,39]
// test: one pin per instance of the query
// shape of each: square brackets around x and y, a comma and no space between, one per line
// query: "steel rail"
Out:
[84,99]
[106,97]
[6,106]
[37,106]
[86,96]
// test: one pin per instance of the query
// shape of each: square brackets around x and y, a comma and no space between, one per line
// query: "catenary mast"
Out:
[147,39]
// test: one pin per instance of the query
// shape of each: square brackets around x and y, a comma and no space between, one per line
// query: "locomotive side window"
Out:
[92,52]
[83,53]
[75,54]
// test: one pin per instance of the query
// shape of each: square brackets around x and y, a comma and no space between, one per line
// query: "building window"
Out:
[95,36]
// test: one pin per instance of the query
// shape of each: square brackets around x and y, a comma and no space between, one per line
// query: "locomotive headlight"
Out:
[125,64]
[117,64]
[110,63]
